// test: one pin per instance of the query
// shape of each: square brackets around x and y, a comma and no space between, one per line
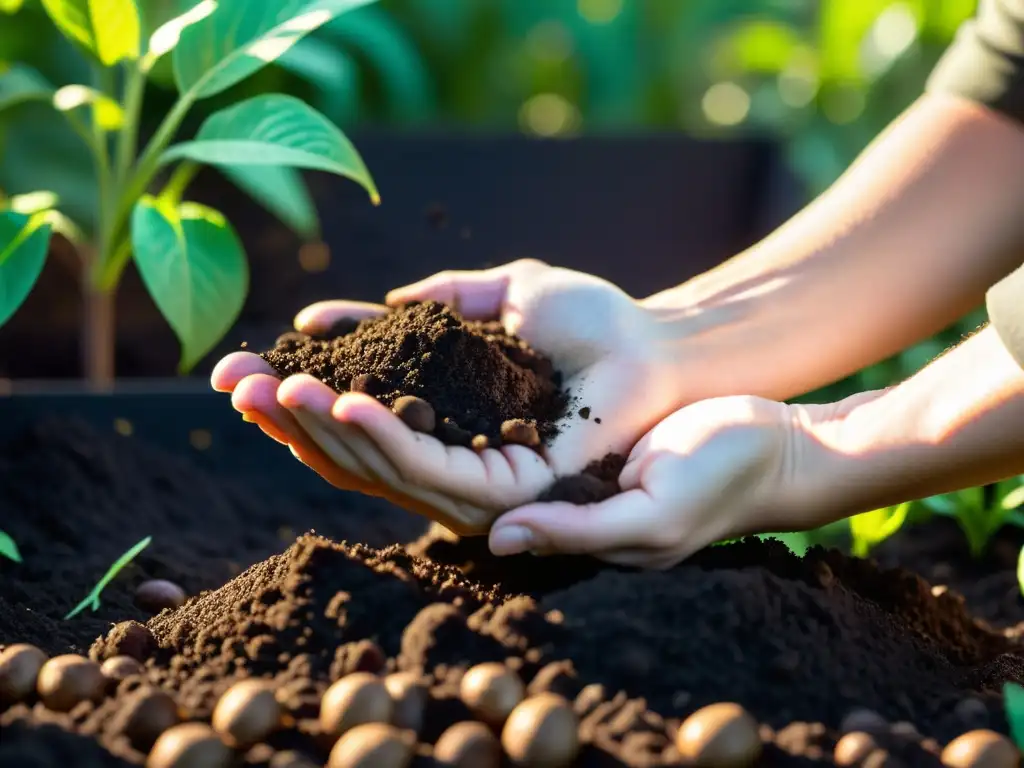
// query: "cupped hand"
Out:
[596,335]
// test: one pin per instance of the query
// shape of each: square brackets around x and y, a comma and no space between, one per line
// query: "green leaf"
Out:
[872,528]
[10,6]
[194,267]
[1013,499]
[281,191]
[1013,696]
[20,84]
[24,241]
[240,37]
[170,18]
[8,548]
[107,112]
[274,129]
[107,28]
[32,202]
[92,600]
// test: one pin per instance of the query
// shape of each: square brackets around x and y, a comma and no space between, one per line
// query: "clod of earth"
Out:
[19,669]
[981,749]
[724,735]
[469,744]
[67,680]
[416,412]
[159,594]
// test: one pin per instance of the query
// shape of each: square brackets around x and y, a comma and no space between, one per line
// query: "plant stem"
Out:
[135,88]
[179,181]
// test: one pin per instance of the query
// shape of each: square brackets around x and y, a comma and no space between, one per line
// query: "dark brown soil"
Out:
[799,642]
[598,481]
[474,374]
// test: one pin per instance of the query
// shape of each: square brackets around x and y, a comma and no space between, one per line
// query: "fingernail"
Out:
[511,540]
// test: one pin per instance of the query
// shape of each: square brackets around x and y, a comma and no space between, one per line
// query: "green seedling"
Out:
[8,548]
[978,519]
[92,600]
[188,255]
[869,529]
[1013,701]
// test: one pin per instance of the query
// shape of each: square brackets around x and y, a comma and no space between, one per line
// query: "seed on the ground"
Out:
[416,412]
[469,744]
[19,670]
[491,691]
[146,714]
[722,734]
[373,745]
[117,668]
[981,749]
[291,338]
[129,638]
[190,745]
[155,595]
[292,759]
[66,680]
[247,713]
[366,383]
[852,748]
[481,443]
[410,699]
[542,732]
[356,699]
[866,720]
[520,432]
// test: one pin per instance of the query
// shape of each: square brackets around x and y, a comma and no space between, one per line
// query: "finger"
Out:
[320,316]
[477,294]
[623,521]
[234,367]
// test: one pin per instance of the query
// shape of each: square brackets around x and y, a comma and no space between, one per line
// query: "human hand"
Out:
[597,336]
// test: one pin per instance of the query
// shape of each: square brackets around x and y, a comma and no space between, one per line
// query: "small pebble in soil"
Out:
[190,745]
[469,744]
[866,720]
[481,443]
[491,691]
[981,749]
[416,412]
[724,735]
[367,384]
[520,432]
[853,748]
[542,732]
[585,412]
[356,699]
[410,697]
[247,713]
[373,745]
[19,670]
[66,680]
[155,595]
[117,668]
[144,715]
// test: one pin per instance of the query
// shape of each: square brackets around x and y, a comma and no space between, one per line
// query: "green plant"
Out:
[979,518]
[92,600]
[1013,700]
[869,529]
[189,256]
[8,548]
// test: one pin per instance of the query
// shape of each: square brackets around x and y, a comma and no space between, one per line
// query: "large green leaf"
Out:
[274,129]
[24,241]
[242,36]
[107,28]
[281,191]
[20,84]
[194,267]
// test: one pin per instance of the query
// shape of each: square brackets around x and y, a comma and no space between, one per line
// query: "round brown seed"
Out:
[853,748]
[469,744]
[147,713]
[722,734]
[366,383]
[247,713]
[417,413]
[491,691]
[189,745]
[373,745]
[155,595]
[410,699]
[117,668]
[292,759]
[520,432]
[981,749]
[356,699]
[66,680]
[542,732]
[481,443]
[19,670]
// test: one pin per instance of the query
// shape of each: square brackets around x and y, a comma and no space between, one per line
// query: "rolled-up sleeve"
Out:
[985,64]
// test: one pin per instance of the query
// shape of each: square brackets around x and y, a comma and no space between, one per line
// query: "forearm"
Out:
[906,242]
[958,423]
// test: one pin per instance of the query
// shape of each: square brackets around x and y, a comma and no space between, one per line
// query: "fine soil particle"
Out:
[473,374]
[799,643]
[598,481]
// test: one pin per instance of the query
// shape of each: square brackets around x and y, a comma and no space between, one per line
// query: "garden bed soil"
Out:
[801,643]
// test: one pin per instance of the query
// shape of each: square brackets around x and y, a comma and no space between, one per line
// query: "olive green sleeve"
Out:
[986,64]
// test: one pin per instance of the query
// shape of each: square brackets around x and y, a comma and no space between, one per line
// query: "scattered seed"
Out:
[542,732]
[366,383]
[723,734]
[292,759]
[469,744]
[155,595]
[597,420]
[129,638]
[356,699]
[190,745]
[146,714]
[865,720]
[117,668]
[417,413]
[981,749]
[491,691]
[291,338]
[852,748]
[19,670]
[373,745]
[247,713]
[66,680]
[520,432]
[410,699]
[481,443]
